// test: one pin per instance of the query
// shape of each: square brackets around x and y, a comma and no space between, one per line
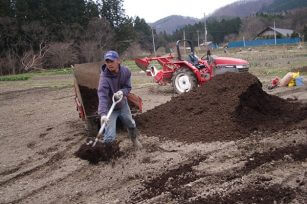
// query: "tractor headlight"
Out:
[242,66]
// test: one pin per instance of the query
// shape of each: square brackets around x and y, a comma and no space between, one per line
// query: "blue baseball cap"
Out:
[111,55]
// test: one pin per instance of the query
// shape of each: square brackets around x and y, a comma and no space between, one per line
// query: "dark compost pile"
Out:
[228,107]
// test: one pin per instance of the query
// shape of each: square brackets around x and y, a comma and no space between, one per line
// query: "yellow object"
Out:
[295,75]
[292,81]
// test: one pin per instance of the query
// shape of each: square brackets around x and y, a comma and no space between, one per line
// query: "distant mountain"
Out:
[171,23]
[242,8]
[285,5]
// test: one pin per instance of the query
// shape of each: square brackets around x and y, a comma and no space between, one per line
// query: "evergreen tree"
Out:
[143,33]
[6,8]
[113,11]
[91,10]
[124,35]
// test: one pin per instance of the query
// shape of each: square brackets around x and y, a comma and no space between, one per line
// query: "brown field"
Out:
[40,131]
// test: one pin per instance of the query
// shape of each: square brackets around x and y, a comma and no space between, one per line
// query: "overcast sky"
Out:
[153,10]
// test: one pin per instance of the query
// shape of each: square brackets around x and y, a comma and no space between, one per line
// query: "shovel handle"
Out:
[103,124]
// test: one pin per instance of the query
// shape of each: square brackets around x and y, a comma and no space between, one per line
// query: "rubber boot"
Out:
[133,133]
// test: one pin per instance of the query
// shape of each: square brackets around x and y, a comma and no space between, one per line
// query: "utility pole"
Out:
[153,41]
[275,33]
[244,41]
[198,39]
[205,29]
[184,41]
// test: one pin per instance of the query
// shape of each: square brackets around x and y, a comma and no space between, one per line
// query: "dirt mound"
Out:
[229,107]
[100,152]
[301,69]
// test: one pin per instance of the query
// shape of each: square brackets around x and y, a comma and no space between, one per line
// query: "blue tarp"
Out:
[253,43]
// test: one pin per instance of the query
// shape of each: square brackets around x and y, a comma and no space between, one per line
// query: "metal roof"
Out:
[284,32]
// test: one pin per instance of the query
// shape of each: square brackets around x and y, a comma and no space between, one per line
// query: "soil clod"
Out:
[100,152]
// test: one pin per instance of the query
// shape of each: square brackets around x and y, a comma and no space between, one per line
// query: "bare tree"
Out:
[251,27]
[134,50]
[12,62]
[31,60]
[97,38]
[61,55]
[90,51]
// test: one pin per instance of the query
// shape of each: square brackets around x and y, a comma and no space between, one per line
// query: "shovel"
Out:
[94,150]
[103,124]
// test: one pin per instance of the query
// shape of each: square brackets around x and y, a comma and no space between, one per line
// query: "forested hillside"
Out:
[217,30]
[51,33]
[295,19]
[242,8]
[285,5]
[223,30]
[39,34]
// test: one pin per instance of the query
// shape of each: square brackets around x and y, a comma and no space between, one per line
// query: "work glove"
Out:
[118,95]
[104,119]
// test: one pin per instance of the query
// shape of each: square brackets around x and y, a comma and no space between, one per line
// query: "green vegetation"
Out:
[217,30]
[132,66]
[54,72]
[26,76]
[20,77]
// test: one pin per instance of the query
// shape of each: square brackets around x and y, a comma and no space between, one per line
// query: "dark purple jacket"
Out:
[108,85]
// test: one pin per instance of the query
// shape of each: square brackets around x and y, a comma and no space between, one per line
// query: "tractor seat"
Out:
[194,60]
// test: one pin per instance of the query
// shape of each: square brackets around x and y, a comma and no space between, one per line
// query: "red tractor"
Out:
[184,75]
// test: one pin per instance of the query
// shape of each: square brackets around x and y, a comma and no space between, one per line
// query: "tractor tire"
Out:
[184,80]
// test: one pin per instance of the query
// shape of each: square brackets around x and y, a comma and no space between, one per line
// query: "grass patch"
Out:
[275,72]
[59,71]
[50,72]
[28,75]
[131,65]
[20,77]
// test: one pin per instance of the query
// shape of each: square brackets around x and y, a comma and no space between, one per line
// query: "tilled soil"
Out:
[229,107]
[41,132]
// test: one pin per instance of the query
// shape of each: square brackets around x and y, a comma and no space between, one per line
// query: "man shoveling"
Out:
[115,79]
